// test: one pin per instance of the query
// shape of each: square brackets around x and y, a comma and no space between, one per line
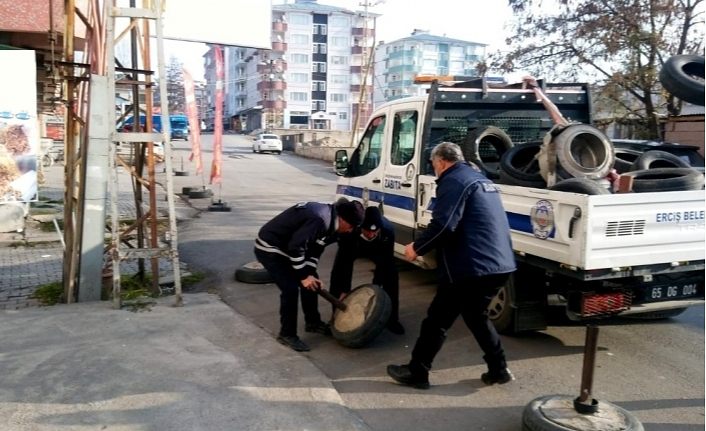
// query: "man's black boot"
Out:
[293,342]
[403,374]
[319,328]
[501,377]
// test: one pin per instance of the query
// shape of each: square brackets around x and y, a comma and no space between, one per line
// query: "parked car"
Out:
[267,142]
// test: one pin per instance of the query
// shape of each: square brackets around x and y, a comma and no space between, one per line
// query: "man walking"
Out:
[470,231]
[289,247]
[375,241]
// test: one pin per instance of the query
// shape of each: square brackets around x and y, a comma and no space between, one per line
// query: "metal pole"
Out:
[584,403]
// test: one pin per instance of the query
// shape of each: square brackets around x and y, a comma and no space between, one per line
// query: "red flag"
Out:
[218,123]
[193,116]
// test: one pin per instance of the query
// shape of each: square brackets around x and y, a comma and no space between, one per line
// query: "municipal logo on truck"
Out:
[542,219]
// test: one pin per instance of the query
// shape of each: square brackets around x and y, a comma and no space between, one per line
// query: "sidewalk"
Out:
[197,367]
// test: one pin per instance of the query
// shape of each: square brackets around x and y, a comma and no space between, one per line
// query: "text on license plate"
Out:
[663,292]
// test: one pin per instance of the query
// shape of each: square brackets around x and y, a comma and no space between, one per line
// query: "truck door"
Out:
[399,183]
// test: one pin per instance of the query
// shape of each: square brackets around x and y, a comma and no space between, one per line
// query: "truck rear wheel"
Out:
[500,310]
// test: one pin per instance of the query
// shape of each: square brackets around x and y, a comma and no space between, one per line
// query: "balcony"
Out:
[279,27]
[355,88]
[279,47]
[357,50]
[356,69]
[277,105]
[271,85]
[278,65]
[358,31]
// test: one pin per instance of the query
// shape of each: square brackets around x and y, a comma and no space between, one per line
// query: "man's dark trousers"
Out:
[287,280]
[470,299]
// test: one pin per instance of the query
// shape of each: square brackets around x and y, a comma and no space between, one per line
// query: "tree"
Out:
[618,45]
[175,86]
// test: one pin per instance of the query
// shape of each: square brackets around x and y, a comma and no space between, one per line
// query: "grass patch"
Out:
[192,278]
[48,226]
[49,294]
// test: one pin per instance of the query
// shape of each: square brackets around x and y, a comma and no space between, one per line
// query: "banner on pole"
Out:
[194,123]
[218,123]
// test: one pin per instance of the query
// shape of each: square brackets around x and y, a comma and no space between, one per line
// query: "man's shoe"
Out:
[293,342]
[500,377]
[402,374]
[319,328]
[395,327]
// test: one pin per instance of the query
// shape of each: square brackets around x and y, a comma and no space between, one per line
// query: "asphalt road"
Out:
[653,369]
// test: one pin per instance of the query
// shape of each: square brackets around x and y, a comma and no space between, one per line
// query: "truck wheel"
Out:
[666,180]
[485,146]
[253,273]
[584,151]
[500,310]
[658,159]
[683,77]
[580,185]
[657,315]
[368,311]
[556,413]
[519,167]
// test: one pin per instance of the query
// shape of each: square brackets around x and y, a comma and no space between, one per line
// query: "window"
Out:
[318,85]
[318,67]
[319,28]
[298,96]
[299,39]
[299,77]
[299,19]
[339,21]
[404,136]
[343,115]
[299,58]
[319,48]
[339,59]
[366,156]
[318,105]
[338,97]
[339,41]
[340,79]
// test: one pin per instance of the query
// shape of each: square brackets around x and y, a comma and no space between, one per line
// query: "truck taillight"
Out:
[597,304]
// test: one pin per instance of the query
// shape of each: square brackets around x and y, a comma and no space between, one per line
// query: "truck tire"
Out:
[540,415]
[253,273]
[475,149]
[500,310]
[666,180]
[624,159]
[583,186]
[584,151]
[519,167]
[657,315]
[683,77]
[658,159]
[359,330]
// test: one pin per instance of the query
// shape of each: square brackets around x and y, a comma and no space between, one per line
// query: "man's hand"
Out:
[409,252]
[311,283]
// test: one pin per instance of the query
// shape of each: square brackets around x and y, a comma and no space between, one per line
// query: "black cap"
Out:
[372,220]
[350,211]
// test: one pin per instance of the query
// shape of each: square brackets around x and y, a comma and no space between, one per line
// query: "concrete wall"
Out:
[315,144]
[686,129]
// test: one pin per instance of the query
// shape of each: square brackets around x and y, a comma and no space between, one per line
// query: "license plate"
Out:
[671,291]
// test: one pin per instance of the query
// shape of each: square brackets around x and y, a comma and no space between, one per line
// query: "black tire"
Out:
[683,77]
[500,310]
[583,186]
[377,312]
[658,159]
[584,151]
[624,159]
[519,167]
[253,273]
[485,146]
[47,161]
[200,194]
[187,190]
[666,180]
[657,315]
[534,418]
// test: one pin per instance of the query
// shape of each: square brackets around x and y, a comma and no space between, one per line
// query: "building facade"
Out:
[317,74]
[399,61]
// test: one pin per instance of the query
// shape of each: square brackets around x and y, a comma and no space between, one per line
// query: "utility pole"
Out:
[362,99]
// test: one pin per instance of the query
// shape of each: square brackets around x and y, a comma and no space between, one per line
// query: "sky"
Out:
[481,21]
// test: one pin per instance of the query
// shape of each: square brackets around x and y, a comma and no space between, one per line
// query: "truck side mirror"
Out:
[341,162]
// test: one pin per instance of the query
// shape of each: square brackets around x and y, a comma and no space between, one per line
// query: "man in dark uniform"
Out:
[289,247]
[374,240]
[471,234]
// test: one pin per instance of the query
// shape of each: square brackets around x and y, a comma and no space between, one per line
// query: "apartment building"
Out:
[312,77]
[397,63]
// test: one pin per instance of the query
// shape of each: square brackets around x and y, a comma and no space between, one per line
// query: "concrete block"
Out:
[12,217]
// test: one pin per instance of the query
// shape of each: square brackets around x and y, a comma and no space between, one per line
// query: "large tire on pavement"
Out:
[683,77]
[253,273]
[519,167]
[583,186]
[666,180]
[556,413]
[485,146]
[584,151]
[658,159]
[368,310]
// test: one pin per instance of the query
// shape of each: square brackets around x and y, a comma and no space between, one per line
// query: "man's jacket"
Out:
[469,227]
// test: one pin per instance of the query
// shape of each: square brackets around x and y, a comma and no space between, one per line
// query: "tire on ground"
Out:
[583,186]
[584,151]
[253,273]
[683,77]
[666,180]
[537,416]
[485,146]
[368,311]
[658,159]
[519,167]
